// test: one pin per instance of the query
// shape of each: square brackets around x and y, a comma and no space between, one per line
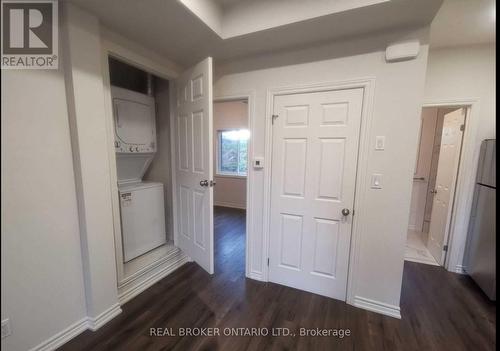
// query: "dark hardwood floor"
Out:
[440,310]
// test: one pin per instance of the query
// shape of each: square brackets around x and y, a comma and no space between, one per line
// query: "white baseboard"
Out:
[77,328]
[63,337]
[460,269]
[255,276]
[135,288]
[378,307]
[230,205]
[95,323]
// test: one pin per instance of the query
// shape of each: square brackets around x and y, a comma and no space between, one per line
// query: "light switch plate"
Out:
[258,162]
[379,142]
[376,181]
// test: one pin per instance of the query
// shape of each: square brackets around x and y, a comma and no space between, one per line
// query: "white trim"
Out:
[377,306]
[173,263]
[230,205]
[63,336]
[464,189]
[104,317]
[250,97]
[460,269]
[147,269]
[368,86]
[77,328]
[230,176]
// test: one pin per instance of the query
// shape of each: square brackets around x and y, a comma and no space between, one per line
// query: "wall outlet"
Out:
[5,328]
[380,142]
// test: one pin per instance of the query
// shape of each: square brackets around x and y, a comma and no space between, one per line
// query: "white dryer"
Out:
[141,203]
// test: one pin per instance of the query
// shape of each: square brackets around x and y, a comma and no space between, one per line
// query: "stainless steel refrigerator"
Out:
[480,255]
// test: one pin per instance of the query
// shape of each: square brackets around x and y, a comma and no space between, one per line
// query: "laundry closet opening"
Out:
[142,148]
[231,138]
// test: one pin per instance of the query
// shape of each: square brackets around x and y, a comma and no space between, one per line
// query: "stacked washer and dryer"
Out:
[141,203]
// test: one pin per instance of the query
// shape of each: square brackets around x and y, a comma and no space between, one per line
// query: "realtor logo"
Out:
[29,34]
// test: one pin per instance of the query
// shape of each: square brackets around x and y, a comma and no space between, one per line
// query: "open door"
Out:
[194,164]
[449,158]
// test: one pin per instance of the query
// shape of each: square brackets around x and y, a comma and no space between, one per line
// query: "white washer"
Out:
[143,218]
[141,203]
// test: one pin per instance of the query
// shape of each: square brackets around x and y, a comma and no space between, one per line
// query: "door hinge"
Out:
[353,212]
[273,117]
[462,127]
[445,248]
[268,261]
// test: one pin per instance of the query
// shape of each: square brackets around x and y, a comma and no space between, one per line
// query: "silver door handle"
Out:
[204,182]
[345,212]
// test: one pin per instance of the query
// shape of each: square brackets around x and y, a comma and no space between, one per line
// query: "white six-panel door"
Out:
[194,164]
[314,157]
[449,156]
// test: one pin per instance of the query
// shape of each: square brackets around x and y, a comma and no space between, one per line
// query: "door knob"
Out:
[204,182]
[434,191]
[345,212]
[212,183]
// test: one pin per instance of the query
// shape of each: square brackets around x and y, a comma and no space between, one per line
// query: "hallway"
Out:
[440,310]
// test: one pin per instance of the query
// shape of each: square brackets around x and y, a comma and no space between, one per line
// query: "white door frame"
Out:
[368,86]
[250,97]
[112,49]
[464,189]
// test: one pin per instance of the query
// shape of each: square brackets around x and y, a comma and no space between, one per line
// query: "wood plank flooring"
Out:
[440,310]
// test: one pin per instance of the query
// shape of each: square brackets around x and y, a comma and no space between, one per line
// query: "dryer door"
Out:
[134,115]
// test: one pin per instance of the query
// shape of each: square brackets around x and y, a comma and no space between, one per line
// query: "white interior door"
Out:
[315,148]
[194,164]
[449,157]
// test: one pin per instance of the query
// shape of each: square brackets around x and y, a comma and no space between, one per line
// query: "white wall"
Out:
[229,191]
[160,168]
[85,93]
[396,114]
[465,73]
[43,290]
[42,281]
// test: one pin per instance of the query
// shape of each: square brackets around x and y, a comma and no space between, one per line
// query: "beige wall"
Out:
[397,102]
[422,168]
[456,74]
[42,278]
[230,191]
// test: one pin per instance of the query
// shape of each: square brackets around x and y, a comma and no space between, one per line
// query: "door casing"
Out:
[112,49]
[464,189]
[250,97]
[368,85]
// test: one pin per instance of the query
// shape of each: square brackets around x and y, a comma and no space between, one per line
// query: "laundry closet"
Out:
[141,124]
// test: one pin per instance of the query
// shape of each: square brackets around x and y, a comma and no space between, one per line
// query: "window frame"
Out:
[218,153]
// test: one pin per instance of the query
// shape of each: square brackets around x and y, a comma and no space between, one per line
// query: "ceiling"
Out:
[176,29]
[464,22]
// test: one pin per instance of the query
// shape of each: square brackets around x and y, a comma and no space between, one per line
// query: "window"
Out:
[232,154]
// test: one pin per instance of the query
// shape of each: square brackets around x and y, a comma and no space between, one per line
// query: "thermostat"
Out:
[258,162]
